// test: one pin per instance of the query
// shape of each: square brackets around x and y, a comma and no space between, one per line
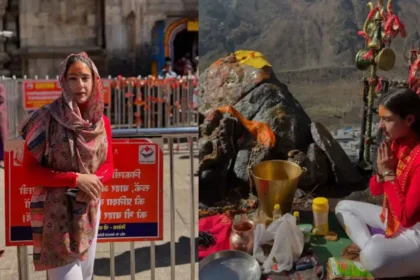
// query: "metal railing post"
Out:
[22,253]
[112,260]
[172,206]
[132,261]
[152,260]
[192,210]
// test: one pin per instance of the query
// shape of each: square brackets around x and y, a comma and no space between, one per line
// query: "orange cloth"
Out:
[261,131]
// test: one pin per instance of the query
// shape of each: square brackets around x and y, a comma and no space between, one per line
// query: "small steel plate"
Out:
[229,264]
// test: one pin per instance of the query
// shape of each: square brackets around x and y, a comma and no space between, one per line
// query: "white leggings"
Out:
[383,257]
[79,270]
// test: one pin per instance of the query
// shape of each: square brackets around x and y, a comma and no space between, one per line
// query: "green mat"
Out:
[322,248]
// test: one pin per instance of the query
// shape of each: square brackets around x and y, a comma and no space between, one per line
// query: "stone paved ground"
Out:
[9,265]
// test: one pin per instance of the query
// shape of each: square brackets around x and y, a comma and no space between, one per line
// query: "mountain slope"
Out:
[310,43]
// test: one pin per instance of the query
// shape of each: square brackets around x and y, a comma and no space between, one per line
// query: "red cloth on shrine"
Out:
[220,227]
[42,176]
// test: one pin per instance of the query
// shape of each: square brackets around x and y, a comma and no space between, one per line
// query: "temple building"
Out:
[123,37]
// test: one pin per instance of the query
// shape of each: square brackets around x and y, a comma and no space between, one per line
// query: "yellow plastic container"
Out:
[320,209]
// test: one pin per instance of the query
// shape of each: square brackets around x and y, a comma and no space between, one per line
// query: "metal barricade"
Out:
[191,133]
[152,102]
[146,102]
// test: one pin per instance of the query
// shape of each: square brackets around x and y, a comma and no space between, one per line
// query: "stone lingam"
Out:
[249,116]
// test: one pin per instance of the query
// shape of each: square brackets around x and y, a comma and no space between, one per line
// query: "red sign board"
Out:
[18,220]
[131,203]
[37,93]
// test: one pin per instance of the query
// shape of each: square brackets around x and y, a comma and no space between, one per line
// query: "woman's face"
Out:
[393,125]
[80,81]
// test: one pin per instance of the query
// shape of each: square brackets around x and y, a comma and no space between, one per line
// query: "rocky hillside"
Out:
[310,43]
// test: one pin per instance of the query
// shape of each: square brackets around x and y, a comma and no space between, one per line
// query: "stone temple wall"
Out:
[58,23]
[51,29]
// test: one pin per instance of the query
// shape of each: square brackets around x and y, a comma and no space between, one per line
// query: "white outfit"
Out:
[79,270]
[383,257]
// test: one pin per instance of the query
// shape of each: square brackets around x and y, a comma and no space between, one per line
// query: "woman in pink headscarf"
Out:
[67,158]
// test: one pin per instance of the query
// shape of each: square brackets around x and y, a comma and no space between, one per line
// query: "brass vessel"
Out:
[276,181]
[362,63]
[378,16]
[376,38]
[375,42]
[242,236]
[385,59]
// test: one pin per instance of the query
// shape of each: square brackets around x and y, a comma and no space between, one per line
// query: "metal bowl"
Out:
[229,264]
